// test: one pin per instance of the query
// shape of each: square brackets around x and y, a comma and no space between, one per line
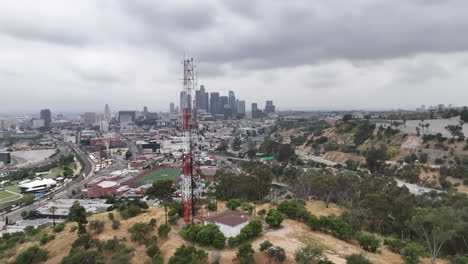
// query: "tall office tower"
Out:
[256,113]
[201,98]
[107,114]
[223,101]
[171,108]
[241,107]
[145,111]
[232,102]
[269,107]
[47,117]
[214,103]
[183,100]
[104,126]
[206,101]
[254,107]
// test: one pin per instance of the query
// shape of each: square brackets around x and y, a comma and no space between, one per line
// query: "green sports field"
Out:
[159,174]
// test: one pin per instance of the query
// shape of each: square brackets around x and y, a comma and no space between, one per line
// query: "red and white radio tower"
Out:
[188,124]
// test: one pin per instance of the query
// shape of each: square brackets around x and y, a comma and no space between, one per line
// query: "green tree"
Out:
[412,252]
[233,203]
[245,254]
[263,178]
[163,190]
[435,226]
[31,255]
[368,241]
[128,154]
[188,254]
[78,214]
[246,207]
[375,158]
[139,232]
[97,226]
[274,218]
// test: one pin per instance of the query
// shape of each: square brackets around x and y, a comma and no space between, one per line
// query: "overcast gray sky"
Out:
[72,55]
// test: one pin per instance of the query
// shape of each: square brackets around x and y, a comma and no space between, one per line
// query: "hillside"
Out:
[291,236]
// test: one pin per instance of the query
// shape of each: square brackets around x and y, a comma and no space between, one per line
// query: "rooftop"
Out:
[228,217]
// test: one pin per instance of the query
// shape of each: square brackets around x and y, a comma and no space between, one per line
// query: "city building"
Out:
[36,186]
[256,113]
[171,108]
[47,117]
[107,114]
[127,117]
[232,102]
[269,107]
[104,126]
[229,222]
[5,157]
[241,107]
[215,103]
[4,124]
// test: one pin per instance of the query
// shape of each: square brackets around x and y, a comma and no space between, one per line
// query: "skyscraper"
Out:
[47,117]
[269,107]
[171,108]
[214,103]
[107,113]
[232,102]
[241,107]
[256,113]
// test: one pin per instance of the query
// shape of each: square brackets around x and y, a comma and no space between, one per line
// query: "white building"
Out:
[229,222]
[37,185]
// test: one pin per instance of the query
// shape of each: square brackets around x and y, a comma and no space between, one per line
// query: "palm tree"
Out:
[53,209]
[139,232]
[427,125]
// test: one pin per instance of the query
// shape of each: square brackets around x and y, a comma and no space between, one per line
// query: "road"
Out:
[306,156]
[414,188]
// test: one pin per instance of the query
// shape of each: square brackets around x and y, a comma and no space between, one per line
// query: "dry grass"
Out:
[291,236]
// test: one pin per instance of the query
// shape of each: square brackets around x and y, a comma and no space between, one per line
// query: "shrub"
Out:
[394,244]
[262,213]
[245,254]
[368,241]
[59,228]
[277,253]
[233,203]
[111,216]
[211,206]
[308,254]
[294,209]
[274,218]
[31,255]
[115,224]
[73,229]
[80,257]
[412,252]
[357,259]
[153,251]
[246,207]
[130,211]
[46,238]
[163,230]
[265,245]
[458,259]
[85,241]
[97,226]
[188,254]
